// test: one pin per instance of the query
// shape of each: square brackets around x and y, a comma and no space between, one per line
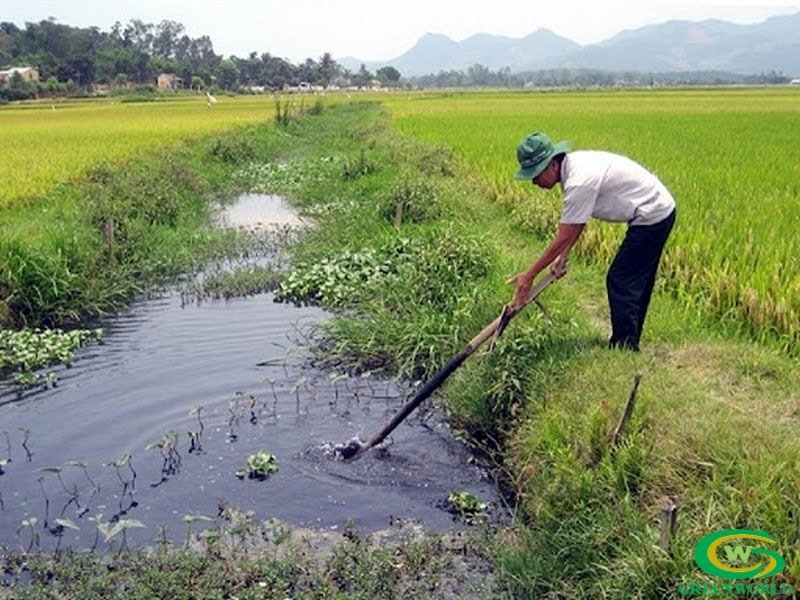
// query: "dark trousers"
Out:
[630,280]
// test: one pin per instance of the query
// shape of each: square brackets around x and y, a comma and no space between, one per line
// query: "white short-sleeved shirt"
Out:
[611,187]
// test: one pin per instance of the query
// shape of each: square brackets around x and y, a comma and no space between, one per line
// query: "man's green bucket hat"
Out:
[535,152]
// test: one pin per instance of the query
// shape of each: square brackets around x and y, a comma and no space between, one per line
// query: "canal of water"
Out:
[152,424]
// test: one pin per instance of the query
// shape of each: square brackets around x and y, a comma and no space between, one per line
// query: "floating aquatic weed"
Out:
[271,178]
[23,351]
[338,280]
[259,466]
[467,506]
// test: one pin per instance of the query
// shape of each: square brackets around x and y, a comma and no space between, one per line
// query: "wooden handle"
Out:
[428,388]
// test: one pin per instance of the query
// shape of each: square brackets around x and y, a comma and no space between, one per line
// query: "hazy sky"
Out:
[382,29]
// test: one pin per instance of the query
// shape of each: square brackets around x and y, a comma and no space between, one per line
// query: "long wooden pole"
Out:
[439,378]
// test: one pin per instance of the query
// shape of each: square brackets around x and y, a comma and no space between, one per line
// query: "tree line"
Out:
[71,59]
[480,76]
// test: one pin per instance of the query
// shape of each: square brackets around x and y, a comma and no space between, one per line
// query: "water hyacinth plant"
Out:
[275,177]
[467,506]
[21,352]
[338,280]
[259,466]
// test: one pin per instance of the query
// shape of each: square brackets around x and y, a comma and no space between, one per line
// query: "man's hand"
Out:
[524,282]
[559,267]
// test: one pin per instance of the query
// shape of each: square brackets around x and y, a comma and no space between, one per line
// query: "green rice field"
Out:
[730,158]
[45,143]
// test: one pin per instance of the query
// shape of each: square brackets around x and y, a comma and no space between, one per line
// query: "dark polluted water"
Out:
[153,423]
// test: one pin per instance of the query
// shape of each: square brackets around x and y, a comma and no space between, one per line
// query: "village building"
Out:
[27,74]
[168,81]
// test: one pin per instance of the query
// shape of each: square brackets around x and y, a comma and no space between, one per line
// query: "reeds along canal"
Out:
[152,425]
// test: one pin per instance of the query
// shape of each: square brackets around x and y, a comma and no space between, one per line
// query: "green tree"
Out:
[388,75]
[479,75]
[276,72]
[250,69]
[227,74]
[328,70]
[166,39]
[363,78]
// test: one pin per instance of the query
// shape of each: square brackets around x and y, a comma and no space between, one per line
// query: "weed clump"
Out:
[412,200]
[233,151]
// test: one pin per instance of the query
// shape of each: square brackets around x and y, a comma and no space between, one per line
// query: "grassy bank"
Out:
[412,251]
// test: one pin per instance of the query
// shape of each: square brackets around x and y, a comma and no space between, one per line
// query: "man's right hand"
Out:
[559,267]
[524,282]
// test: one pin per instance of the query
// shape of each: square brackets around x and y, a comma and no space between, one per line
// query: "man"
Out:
[609,187]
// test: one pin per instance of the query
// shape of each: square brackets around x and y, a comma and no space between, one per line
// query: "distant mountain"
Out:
[673,46]
[773,45]
[435,52]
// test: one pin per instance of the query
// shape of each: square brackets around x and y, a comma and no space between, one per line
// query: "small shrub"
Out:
[418,200]
[233,150]
[436,160]
[357,167]
[444,264]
